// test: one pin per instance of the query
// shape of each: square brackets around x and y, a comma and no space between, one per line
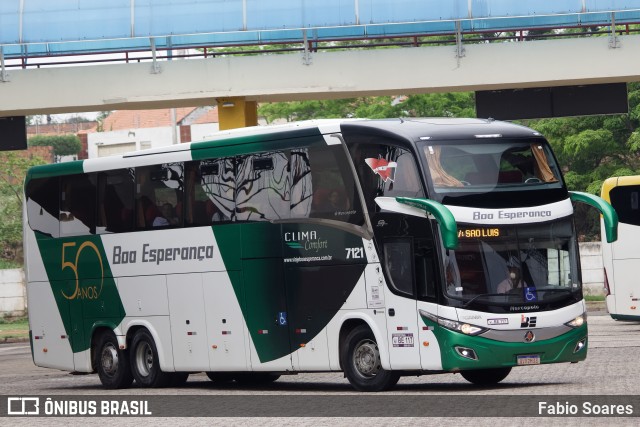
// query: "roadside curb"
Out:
[596,305]
[13,340]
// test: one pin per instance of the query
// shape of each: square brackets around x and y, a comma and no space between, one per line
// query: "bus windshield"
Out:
[476,167]
[519,264]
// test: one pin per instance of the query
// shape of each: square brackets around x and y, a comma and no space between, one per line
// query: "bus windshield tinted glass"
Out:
[514,264]
[478,166]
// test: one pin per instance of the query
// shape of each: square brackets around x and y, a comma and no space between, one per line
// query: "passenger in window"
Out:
[151,214]
[169,214]
[514,280]
[336,202]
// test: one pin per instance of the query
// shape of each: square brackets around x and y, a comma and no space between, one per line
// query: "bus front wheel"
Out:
[145,363]
[361,362]
[112,363]
[486,376]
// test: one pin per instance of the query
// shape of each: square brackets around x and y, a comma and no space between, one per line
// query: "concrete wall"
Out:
[592,268]
[141,138]
[13,299]
[13,293]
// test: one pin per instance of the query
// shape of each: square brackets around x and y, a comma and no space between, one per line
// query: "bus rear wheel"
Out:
[361,362]
[486,376]
[145,363]
[112,363]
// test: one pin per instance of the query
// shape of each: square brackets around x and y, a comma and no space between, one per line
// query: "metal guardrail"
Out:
[465,21]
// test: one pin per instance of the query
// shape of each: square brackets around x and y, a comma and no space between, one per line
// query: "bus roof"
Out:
[413,129]
[416,129]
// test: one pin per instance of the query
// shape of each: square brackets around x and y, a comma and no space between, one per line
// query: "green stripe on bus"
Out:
[55,169]
[445,218]
[255,143]
[82,284]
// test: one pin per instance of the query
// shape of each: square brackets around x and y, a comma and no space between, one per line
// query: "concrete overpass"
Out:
[329,75]
[238,82]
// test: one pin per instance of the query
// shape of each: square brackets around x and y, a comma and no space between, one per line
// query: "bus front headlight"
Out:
[578,321]
[453,325]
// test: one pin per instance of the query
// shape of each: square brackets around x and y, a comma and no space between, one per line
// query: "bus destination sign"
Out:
[480,232]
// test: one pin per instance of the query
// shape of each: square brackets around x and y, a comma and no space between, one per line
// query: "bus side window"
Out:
[398,263]
[115,201]
[625,201]
[425,268]
[43,205]
[77,205]
[264,187]
[386,170]
[324,186]
[209,191]
[159,190]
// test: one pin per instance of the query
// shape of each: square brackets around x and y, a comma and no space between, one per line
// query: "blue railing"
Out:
[31,28]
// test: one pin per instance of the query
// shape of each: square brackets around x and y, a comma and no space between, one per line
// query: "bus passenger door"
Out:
[396,243]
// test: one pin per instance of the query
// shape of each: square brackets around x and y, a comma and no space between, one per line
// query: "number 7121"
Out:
[355,253]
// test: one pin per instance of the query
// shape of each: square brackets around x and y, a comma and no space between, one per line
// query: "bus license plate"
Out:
[402,340]
[529,359]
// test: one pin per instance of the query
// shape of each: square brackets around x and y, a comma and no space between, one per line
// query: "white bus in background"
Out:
[621,272]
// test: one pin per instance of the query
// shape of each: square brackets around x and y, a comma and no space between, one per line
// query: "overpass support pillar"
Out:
[237,112]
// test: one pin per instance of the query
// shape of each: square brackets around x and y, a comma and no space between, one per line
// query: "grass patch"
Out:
[6,264]
[14,328]
[594,298]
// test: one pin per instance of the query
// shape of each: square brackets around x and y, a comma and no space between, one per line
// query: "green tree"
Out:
[594,148]
[63,145]
[11,190]
[378,107]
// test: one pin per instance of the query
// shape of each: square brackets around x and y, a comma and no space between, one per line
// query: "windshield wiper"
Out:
[555,290]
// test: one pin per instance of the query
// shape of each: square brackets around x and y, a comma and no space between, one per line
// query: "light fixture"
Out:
[228,104]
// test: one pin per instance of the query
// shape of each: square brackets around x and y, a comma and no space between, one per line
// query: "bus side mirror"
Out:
[608,213]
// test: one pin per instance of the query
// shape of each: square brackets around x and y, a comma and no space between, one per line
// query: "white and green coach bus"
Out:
[379,248]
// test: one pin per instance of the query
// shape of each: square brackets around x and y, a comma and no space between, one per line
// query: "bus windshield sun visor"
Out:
[608,213]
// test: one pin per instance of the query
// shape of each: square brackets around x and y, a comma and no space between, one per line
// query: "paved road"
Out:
[612,368]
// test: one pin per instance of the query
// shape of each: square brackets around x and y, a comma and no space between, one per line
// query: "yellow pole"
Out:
[237,112]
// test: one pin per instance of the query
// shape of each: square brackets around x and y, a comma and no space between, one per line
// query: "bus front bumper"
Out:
[463,352]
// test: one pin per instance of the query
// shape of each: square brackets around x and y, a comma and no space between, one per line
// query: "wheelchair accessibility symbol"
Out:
[282,318]
[530,294]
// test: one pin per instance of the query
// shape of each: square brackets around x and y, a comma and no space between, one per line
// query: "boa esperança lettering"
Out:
[158,255]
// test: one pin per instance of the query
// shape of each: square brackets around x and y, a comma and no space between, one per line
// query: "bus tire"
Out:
[112,363]
[361,362]
[486,376]
[145,364]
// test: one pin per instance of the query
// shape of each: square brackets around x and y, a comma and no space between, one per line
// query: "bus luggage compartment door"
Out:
[265,304]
